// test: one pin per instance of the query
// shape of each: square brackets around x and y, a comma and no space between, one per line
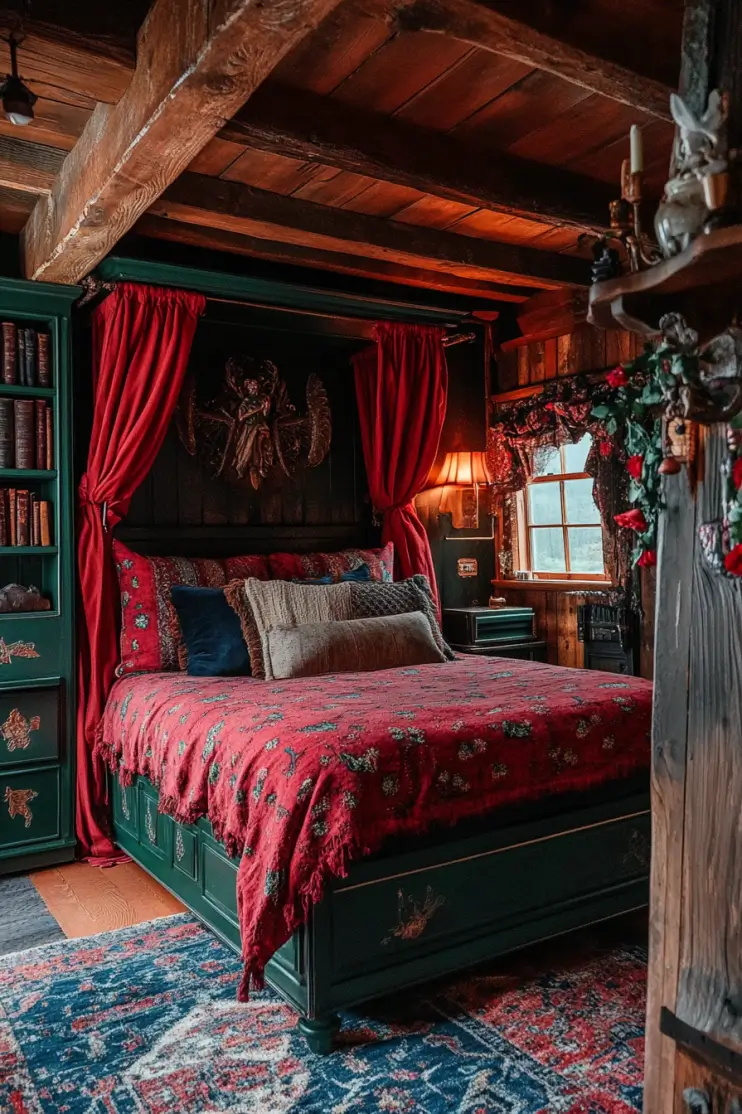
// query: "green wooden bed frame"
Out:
[419,910]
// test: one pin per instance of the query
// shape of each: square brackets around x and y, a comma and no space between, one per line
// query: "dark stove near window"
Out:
[610,636]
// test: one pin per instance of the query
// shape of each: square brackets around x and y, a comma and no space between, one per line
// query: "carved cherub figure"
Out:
[700,143]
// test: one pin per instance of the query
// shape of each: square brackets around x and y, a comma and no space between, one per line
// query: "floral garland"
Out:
[733,498]
[628,415]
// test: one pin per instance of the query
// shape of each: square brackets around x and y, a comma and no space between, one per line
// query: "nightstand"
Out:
[502,632]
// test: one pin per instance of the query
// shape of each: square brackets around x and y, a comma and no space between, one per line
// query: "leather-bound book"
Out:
[13,515]
[4,531]
[44,360]
[30,357]
[49,439]
[22,357]
[7,441]
[23,527]
[45,516]
[40,434]
[25,433]
[35,521]
[9,352]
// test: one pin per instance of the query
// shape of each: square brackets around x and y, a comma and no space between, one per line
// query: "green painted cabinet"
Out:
[37,661]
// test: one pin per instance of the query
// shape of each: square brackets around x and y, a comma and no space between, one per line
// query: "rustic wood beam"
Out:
[31,167]
[234,207]
[303,125]
[196,65]
[216,239]
[497,27]
[550,314]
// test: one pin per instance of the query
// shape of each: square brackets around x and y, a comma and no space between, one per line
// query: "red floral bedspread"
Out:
[301,777]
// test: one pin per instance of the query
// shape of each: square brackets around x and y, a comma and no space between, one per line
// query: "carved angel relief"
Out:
[251,427]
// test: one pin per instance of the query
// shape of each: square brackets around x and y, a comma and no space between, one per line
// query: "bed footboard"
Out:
[406,918]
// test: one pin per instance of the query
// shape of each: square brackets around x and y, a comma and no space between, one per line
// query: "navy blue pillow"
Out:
[212,633]
[362,572]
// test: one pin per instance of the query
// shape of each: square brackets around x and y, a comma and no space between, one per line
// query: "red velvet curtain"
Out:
[401,386]
[142,339]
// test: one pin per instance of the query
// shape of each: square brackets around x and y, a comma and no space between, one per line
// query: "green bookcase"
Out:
[37,660]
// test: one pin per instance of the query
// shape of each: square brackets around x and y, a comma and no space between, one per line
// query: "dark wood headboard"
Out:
[227,541]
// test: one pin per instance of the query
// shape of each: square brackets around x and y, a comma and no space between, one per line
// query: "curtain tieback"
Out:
[106,509]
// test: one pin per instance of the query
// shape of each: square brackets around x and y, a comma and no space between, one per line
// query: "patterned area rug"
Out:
[145,1021]
[25,921]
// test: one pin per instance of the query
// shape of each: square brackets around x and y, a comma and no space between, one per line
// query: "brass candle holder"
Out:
[626,221]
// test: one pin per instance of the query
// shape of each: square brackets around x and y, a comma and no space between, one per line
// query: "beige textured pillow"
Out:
[263,605]
[349,646]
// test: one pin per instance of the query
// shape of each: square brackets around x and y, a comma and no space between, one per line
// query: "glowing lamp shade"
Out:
[462,469]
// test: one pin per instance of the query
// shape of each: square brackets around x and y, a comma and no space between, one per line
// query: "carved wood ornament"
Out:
[251,428]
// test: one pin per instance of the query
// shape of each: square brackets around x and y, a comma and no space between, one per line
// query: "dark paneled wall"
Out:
[180,491]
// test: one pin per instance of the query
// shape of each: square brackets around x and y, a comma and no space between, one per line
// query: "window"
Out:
[559,523]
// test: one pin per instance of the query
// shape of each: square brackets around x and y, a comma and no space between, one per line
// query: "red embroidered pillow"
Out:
[310,566]
[151,638]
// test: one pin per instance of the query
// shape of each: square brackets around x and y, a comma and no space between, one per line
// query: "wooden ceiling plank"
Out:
[303,126]
[29,167]
[498,29]
[217,239]
[196,65]
[238,208]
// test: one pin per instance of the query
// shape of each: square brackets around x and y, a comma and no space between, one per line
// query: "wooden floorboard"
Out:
[85,900]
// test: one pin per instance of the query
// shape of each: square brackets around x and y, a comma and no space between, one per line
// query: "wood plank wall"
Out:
[530,365]
[585,349]
[180,490]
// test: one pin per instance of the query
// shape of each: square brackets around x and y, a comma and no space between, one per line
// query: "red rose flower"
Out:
[648,559]
[606,448]
[632,520]
[733,561]
[634,466]
[737,473]
[617,377]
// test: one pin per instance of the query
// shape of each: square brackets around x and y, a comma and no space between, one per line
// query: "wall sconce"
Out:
[461,475]
[17,98]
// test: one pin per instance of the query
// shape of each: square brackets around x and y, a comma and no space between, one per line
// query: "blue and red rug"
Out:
[145,1021]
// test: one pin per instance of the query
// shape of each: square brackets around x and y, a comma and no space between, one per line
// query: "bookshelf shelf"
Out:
[26,550]
[9,390]
[26,474]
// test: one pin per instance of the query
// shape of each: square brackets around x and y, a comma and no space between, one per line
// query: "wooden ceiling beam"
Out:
[234,207]
[216,239]
[196,66]
[302,125]
[497,27]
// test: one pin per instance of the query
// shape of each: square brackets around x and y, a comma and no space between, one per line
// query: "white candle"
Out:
[637,150]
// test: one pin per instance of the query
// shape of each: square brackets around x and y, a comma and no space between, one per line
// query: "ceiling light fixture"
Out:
[17,98]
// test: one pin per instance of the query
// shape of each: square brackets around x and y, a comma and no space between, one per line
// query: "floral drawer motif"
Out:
[413,917]
[18,804]
[17,729]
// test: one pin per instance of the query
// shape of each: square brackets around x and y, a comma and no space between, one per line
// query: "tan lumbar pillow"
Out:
[348,646]
[263,605]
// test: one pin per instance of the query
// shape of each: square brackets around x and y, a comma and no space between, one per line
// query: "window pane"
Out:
[586,550]
[547,550]
[546,461]
[544,504]
[576,455]
[579,502]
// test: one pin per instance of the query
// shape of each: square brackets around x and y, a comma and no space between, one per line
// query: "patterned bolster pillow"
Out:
[349,646]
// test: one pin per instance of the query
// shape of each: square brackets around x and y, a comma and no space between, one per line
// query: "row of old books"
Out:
[24,518]
[26,434]
[26,356]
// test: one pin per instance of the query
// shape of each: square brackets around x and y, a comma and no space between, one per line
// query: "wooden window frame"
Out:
[527,526]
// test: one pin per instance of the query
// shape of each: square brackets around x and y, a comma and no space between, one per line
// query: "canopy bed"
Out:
[354,832]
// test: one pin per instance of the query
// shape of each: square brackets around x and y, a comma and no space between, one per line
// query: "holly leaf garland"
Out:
[628,413]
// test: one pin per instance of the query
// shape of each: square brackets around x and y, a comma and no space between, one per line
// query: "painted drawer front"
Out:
[185,850]
[219,875]
[31,648]
[398,918]
[154,831]
[29,726]
[125,802]
[29,808]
